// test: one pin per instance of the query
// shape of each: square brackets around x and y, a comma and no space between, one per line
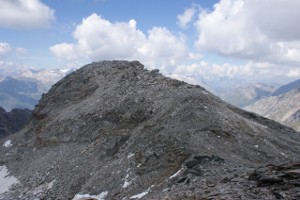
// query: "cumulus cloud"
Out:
[98,39]
[294,73]
[258,30]
[25,14]
[64,51]
[184,19]
[250,71]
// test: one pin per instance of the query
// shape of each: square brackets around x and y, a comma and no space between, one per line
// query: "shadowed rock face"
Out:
[119,131]
[13,121]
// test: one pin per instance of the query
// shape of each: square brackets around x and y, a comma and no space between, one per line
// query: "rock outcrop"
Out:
[114,130]
[13,121]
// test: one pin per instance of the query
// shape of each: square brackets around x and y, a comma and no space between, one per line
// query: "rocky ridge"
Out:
[114,130]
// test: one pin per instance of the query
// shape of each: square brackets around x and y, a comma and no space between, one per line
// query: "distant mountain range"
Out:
[283,106]
[242,96]
[23,88]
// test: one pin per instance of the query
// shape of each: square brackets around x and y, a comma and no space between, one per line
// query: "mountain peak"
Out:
[115,129]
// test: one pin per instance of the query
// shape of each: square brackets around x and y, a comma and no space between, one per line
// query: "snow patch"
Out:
[50,185]
[6,181]
[130,155]
[7,143]
[256,146]
[126,182]
[142,194]
[65,70]
[174,175]
[101,196]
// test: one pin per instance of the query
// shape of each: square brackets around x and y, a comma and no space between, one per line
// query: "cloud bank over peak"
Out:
[99,39]
[253,39]
[259,30]
[25,14]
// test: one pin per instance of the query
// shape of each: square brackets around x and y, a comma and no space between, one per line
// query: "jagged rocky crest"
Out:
[115,130]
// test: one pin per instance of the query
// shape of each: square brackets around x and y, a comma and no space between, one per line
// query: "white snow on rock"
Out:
[6,181]
[7,143]
[130,155]
[101,196]
[142,194]
[174,175]
[126,182]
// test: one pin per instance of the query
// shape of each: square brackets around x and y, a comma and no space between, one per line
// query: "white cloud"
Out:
[161,48]
[99,39]
[294,73]
[247,72]
[258,30]
[4,48]
[185,18]
[25,14]
[64,51]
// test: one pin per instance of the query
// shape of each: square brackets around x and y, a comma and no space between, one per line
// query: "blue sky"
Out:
[252,40]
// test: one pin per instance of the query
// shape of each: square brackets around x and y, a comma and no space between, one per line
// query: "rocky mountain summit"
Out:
[114,130]
[13,121]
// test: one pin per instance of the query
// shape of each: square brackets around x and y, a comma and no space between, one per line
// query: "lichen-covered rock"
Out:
[117,129]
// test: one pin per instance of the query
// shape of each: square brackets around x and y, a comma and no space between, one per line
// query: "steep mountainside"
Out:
[246,95]
[113,130]
[286,88]
[284,108]
[13,121]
